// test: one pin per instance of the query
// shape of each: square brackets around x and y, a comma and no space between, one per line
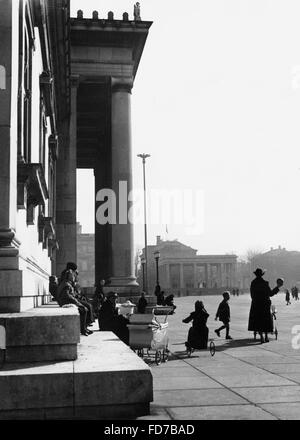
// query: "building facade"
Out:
[279,262]
[34,115]
[65,92]
[182,271]
[86,258]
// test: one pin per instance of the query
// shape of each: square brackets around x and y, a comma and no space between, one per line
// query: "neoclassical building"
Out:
[182,271]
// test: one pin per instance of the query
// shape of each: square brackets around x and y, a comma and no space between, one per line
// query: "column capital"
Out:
[121,84]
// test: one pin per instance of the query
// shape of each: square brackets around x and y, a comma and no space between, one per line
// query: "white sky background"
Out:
[216,103]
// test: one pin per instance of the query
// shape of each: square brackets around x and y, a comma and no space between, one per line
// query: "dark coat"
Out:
[66,294]
[287,295]
[142,304]
[98,299]
[160,299]
[223,312]
[198,333]
[260,317]
[110,320]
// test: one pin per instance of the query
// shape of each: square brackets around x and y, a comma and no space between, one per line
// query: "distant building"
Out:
[279,263]
[182,271]
[244,275]
[85,257]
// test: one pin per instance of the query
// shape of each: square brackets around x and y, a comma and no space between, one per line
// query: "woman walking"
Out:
[260,317]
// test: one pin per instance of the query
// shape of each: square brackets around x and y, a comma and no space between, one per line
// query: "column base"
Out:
[125,287]
[123,282]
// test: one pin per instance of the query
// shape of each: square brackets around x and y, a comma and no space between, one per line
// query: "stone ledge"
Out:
[108,380]
[43,325]
[41,353]
[41,334]
[108,412]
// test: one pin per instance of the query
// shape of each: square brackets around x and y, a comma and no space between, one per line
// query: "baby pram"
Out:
[147,332]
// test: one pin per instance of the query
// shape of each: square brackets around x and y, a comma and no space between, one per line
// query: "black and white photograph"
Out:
[149,213]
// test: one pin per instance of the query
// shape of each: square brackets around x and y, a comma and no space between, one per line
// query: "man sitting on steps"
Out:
[66,295]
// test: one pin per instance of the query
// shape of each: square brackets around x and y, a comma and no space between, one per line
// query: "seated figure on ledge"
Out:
[110,320]
[65,296]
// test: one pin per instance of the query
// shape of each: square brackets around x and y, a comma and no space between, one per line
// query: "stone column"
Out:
[122,231]
[182,286]
[10,281]
[103,270]
[233,275]
[168,281]
[208,268]
[66,188]
[222,275]
[195,276]
[219,275]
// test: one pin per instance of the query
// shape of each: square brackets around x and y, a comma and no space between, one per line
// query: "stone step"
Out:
[107,381]
[43,334]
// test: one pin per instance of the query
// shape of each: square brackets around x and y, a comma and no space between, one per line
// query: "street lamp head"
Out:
[156,255]
[143,156]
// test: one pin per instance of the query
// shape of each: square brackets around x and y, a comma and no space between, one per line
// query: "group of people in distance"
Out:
[162,301]
[295,295]
[260,316]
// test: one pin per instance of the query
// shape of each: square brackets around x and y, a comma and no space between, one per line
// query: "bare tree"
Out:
[252,253]
[252,256]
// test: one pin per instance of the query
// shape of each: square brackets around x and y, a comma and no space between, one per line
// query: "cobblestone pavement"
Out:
[244,380]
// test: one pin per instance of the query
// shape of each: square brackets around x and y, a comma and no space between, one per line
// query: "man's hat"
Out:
[72,266]
[111,294]
[259,272]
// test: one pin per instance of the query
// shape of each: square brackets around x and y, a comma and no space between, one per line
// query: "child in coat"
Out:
[223,314]
[198,333]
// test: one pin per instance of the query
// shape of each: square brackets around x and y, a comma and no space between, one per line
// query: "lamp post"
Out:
[143,262]
[156,256]
[144,157]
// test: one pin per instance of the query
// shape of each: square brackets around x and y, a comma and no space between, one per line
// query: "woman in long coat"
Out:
[260,317]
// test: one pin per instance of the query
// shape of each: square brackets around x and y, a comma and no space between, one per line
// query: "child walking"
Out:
[223,313]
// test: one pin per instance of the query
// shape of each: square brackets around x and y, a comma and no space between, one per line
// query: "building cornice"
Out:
[111,33]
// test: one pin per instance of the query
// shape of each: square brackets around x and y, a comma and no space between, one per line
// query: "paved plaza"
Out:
[245,380]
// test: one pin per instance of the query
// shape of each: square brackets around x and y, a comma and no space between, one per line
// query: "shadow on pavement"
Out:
[220,345]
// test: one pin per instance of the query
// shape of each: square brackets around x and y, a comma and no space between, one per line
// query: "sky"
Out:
[216,103]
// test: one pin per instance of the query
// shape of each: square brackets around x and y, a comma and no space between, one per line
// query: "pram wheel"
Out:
[212,348]
[158,357]
[165,355]
[140,353]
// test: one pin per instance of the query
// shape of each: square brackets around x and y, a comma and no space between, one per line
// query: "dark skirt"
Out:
[260,318]
[198,338]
